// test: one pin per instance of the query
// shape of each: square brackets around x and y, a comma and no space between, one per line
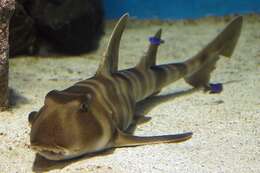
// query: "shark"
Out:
[96,114]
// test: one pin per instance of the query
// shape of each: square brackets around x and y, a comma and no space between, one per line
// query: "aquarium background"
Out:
[179,9]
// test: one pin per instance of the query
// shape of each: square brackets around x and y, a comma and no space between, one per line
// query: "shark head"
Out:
[67,126]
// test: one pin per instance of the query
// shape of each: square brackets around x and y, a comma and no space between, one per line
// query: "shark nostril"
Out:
[34,142]
[33,147]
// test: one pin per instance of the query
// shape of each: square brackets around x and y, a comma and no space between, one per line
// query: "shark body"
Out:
[95,114]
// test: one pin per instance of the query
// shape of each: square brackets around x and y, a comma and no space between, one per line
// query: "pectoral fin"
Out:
[140,119]
[126,140]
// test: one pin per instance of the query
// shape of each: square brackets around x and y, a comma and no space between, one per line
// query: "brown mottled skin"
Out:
[96,113]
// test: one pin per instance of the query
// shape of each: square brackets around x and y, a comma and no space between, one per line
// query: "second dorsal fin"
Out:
[149,59]
[109,62]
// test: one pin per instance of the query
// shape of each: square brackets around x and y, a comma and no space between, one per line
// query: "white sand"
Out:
[226,126]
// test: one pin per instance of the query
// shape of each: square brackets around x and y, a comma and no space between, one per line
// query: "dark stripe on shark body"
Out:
[142,82]
[160,76]
[165,74]
[128,100]
[120,98]
[136,87]
[99,92]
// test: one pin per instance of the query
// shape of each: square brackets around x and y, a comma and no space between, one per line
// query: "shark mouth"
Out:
[51,153]
[56,153]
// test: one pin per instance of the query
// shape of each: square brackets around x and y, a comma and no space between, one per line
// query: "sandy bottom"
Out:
[226,126]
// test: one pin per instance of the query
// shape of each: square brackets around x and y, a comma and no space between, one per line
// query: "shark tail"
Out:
[201,65]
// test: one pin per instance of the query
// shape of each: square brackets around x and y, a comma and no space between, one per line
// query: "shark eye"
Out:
[84,107]
[86,103]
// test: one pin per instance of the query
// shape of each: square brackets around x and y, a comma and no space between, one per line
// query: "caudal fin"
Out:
[201,65]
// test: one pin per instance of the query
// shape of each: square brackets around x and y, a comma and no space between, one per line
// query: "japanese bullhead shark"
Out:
[95,114]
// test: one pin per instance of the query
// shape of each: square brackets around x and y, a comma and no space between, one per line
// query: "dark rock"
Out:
[22,38]
[6,11]
[68,26]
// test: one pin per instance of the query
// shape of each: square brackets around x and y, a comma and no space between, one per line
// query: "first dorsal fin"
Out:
[149,59]
[109,62]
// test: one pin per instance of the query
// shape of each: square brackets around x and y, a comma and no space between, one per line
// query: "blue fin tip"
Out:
[155,40]
[216,88]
